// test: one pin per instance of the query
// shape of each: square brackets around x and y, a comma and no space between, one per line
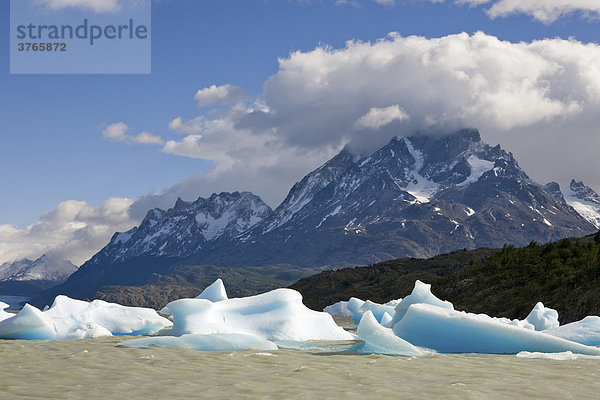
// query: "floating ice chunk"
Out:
[543,318]
[354,306]
[215,292]
[339,309]
[420,294]
[450,331]
[76,319]
[586,331]
[216,342]
[378,310]
[276,315]
[386,320]
[393,303]
[564,356]
[29,324]
[515,322]
[3,314]
[380,340]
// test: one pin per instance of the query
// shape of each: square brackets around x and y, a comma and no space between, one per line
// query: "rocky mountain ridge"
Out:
[417,196]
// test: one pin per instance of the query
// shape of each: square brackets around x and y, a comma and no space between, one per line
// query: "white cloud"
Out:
[98,6]
[74,230]
[546,11]
[215,95]
[118,133]
[191,127]
[316,101]
[537,99]
[379,117]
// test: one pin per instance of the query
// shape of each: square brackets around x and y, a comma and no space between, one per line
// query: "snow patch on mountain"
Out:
[420,187]
[585,201]
[478,168]
[45,268]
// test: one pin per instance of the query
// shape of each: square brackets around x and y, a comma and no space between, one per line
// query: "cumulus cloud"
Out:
[191,127]
[362,94]
[378,117]
[118,133]
[216,95]
[74,231]
[98,6]
[546,11]
[537,99]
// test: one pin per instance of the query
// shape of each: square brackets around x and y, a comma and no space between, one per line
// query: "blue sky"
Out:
[53,149]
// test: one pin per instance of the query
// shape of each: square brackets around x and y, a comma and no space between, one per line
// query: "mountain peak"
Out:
[48,267]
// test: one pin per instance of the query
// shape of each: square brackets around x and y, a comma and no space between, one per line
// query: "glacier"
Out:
[75,319]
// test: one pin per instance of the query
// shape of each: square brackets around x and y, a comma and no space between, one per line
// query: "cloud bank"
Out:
[546,11]
[74,230]
[538,99]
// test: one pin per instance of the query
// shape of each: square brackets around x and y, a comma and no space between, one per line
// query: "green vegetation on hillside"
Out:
[564,275]
[507,282]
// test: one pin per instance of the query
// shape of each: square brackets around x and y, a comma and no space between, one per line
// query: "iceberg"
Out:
[75,319]
[380,340]
[450,331]
[278,315]
[357,308]
[378,310]
[215,292]
[421,294]
[354,306]
[214,342]
[3,314]
[586,331]
[543,318]
[339,309]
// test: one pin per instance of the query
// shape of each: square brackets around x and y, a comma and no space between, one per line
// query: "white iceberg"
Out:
[215,292]
[214,342]
[421,294]
[381,340]
[586,331]
[76,319]
[450,331]
[357,308]
[276,315]
[339,309]
[543,318]
[354,306]
[3,314]
[378,310]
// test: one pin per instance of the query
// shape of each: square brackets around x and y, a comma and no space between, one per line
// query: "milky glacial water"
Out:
[100,369]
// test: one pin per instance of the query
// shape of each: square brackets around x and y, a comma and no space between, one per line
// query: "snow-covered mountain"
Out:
[45,268]
[416,196]
[187,228]
[585,200]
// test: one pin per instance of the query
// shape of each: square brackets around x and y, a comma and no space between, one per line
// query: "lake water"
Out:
[100,369]
[15,302]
